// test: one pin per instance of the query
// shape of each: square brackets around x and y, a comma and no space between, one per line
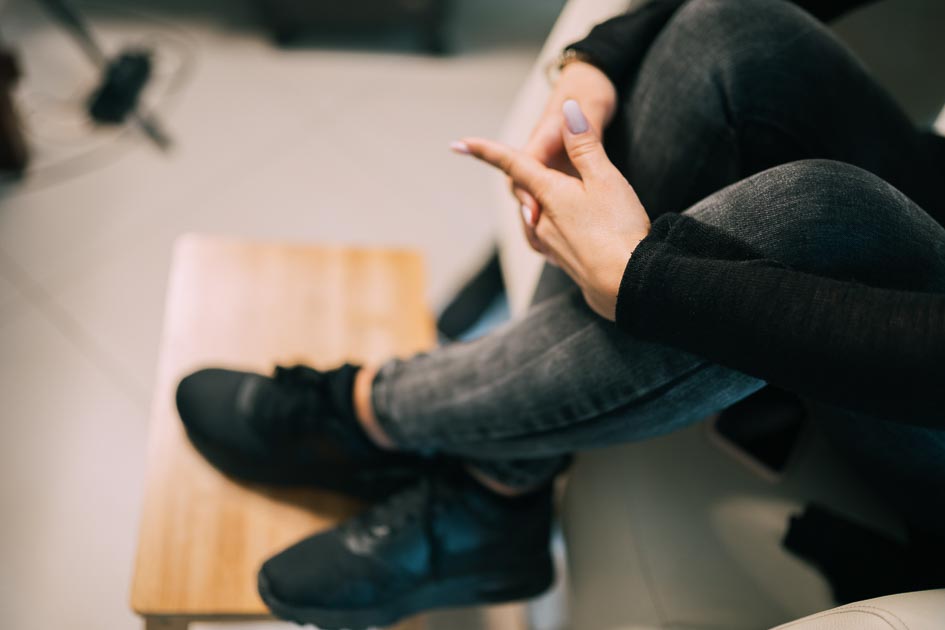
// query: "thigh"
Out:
[558,380]
[835,220]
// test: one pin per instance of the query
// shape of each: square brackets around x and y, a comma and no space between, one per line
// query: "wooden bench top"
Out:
[249,306]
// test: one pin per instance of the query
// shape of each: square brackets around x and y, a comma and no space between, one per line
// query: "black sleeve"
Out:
[874,350]
[618,45]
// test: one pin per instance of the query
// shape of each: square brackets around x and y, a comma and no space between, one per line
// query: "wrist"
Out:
[566,57]
[587,84]
[608,276]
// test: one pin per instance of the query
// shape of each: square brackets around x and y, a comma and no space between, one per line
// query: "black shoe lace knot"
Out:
[300,375]
[300,399]
[402,508]
[417,505]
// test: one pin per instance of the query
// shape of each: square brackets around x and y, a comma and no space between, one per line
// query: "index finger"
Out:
[525,171]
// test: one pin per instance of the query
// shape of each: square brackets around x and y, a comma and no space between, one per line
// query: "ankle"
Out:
[496,486]
[364,408]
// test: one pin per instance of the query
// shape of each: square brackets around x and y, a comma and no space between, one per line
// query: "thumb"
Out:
[583,144]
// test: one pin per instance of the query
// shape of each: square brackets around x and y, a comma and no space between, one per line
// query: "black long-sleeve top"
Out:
[873,350]
[691,286]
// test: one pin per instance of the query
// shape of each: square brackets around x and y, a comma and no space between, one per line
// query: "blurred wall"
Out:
[903,43]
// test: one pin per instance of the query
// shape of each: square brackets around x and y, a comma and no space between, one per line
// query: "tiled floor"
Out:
[322,145]
[70,479]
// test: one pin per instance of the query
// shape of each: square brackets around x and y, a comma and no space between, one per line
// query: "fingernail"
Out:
[460,147]
[574,117]
[527,215]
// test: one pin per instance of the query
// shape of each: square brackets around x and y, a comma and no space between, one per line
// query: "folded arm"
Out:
[876,350]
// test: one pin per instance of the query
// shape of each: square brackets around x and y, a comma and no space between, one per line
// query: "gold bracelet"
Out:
[567,56]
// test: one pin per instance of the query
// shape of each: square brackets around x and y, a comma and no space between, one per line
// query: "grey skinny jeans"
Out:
[730,105]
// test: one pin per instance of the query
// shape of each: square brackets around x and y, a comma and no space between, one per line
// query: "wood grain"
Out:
[251,306]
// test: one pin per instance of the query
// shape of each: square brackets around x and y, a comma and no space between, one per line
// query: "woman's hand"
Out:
[589,225]
[586,84]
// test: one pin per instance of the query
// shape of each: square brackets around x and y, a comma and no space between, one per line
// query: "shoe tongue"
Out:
[333,389]
[339,386]
[339,401]
[300,375]
[293,401]
[310,400]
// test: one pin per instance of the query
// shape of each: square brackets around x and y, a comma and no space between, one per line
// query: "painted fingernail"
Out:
[527,215]
[574,117]
[460,147]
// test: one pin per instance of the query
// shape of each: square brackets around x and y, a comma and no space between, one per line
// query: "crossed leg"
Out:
[731,104]
[728,89]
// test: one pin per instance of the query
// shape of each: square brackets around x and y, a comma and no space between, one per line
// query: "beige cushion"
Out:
[924,610]
[675,532]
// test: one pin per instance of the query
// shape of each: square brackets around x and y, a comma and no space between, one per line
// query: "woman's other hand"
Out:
[589,86]
[590,223]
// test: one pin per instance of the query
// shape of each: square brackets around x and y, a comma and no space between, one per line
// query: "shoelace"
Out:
[292,408]
[402,508]
[419,502]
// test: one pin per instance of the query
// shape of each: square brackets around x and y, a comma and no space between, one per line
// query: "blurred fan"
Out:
[123,77]
[13,155]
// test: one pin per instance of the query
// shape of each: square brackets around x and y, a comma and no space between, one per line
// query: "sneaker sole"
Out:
[276,473]
[448,593]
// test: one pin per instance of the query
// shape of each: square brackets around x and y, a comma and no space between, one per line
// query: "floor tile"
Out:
[71,473]
[11,300]
[352,177]
[227,115]
[250,625]
[121,307]
[241,105]
[384,177]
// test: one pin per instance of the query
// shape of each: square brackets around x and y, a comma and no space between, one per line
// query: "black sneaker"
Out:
[445,541]
[295,428]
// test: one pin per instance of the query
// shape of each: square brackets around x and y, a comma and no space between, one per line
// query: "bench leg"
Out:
[165,623]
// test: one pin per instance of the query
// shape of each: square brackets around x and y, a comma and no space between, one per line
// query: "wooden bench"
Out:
[249,306]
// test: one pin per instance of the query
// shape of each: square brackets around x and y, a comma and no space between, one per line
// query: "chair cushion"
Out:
[924,610]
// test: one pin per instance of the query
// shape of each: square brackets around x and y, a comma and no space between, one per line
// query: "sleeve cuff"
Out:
[645,267]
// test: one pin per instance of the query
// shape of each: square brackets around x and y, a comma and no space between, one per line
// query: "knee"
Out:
[830,189]
[736,46]
[819,199]
[785,199]
[827,216]
[732,27]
